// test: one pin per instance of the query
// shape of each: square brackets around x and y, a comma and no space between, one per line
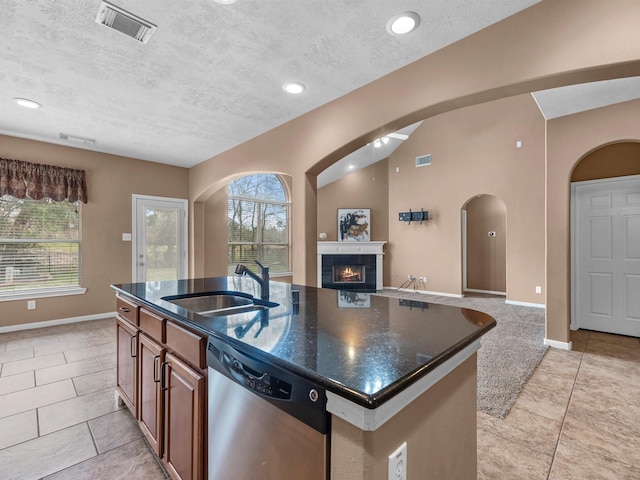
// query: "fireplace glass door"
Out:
[349,273]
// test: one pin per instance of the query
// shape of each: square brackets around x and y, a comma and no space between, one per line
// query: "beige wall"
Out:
[551,44]
[216,234]
[106,259]
[569,139]
[534,49]
[365,188]
[473,153]
[486,256]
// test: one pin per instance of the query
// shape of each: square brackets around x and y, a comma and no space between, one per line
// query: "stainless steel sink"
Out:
[211,302]
[217,304]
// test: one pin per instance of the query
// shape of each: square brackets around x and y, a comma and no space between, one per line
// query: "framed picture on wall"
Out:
[354,224]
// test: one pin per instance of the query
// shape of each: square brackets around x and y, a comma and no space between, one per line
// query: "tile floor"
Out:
[577,417]
[59,417]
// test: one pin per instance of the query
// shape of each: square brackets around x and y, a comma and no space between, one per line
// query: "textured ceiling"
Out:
[211,76]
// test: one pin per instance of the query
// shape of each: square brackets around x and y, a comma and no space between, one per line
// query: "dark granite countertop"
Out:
[363,347]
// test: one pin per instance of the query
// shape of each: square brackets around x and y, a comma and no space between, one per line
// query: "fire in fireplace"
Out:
[348,273]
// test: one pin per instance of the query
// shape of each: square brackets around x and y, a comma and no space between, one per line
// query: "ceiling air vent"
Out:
[124,22]
[423,160]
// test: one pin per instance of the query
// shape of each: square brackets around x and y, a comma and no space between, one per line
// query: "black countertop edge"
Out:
[367,401]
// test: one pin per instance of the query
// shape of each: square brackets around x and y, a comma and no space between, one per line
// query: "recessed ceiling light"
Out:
[26,103]
[294,87]
[225,2]
[351,166]
[403,23]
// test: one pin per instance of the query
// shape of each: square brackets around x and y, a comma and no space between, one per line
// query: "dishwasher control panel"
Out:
[263,383]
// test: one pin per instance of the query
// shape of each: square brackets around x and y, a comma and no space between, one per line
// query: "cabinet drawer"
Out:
[153,325]
[188,345]
[127,310]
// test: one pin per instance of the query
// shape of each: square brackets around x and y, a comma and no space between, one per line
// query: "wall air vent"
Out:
[124,22]
[423,160]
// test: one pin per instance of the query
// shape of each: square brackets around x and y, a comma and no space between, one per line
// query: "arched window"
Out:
[258,222]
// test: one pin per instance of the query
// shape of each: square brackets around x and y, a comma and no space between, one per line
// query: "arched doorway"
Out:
[605,240]
[484,245]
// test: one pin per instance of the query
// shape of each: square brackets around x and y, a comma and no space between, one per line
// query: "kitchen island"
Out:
[390,371]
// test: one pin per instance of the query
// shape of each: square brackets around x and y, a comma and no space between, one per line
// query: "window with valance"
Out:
[36,181]
[39,229]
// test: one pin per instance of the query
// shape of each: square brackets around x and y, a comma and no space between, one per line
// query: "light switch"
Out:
[126,237]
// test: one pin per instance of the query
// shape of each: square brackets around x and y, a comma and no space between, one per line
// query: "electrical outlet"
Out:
[31,305]
[538,289]
[398,463]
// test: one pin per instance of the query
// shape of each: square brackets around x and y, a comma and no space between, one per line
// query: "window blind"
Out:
[39,244]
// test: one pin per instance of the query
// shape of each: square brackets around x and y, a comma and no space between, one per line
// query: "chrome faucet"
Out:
[263,282]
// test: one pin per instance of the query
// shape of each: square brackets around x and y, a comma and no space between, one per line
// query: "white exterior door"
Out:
[159,238]
[606,255]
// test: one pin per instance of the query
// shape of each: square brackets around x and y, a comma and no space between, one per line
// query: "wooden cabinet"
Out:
[126,366]
[150,399]
[161,377]
[184,425]
[127,310]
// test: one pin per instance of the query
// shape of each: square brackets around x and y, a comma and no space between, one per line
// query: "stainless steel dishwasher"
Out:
[264,422]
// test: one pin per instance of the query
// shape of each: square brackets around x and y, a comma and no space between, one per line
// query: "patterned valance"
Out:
[36,181]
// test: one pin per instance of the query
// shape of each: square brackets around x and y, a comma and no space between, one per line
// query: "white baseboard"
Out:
[525,304]
[486,292]
[556,344]
[61,321]
[411,290]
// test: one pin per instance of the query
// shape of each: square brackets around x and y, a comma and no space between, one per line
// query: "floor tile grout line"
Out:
[38,421]
[575,379]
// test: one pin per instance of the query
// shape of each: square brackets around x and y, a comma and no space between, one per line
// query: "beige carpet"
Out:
[510,352]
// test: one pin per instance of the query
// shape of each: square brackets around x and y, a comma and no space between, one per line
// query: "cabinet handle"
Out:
[125,309]
[133,347]
[163,371]
[155,368]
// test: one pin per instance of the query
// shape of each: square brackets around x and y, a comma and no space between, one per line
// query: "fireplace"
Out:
[349,272]
[350,265]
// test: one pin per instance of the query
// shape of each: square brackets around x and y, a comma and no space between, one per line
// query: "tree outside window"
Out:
[258,222]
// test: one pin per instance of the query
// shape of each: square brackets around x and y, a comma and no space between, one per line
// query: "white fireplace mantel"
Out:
[353,248]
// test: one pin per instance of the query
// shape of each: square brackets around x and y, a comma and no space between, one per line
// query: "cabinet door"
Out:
[184,419]
[127,338]
[150,404]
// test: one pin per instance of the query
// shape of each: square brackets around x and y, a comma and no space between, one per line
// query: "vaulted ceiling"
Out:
[211,75]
